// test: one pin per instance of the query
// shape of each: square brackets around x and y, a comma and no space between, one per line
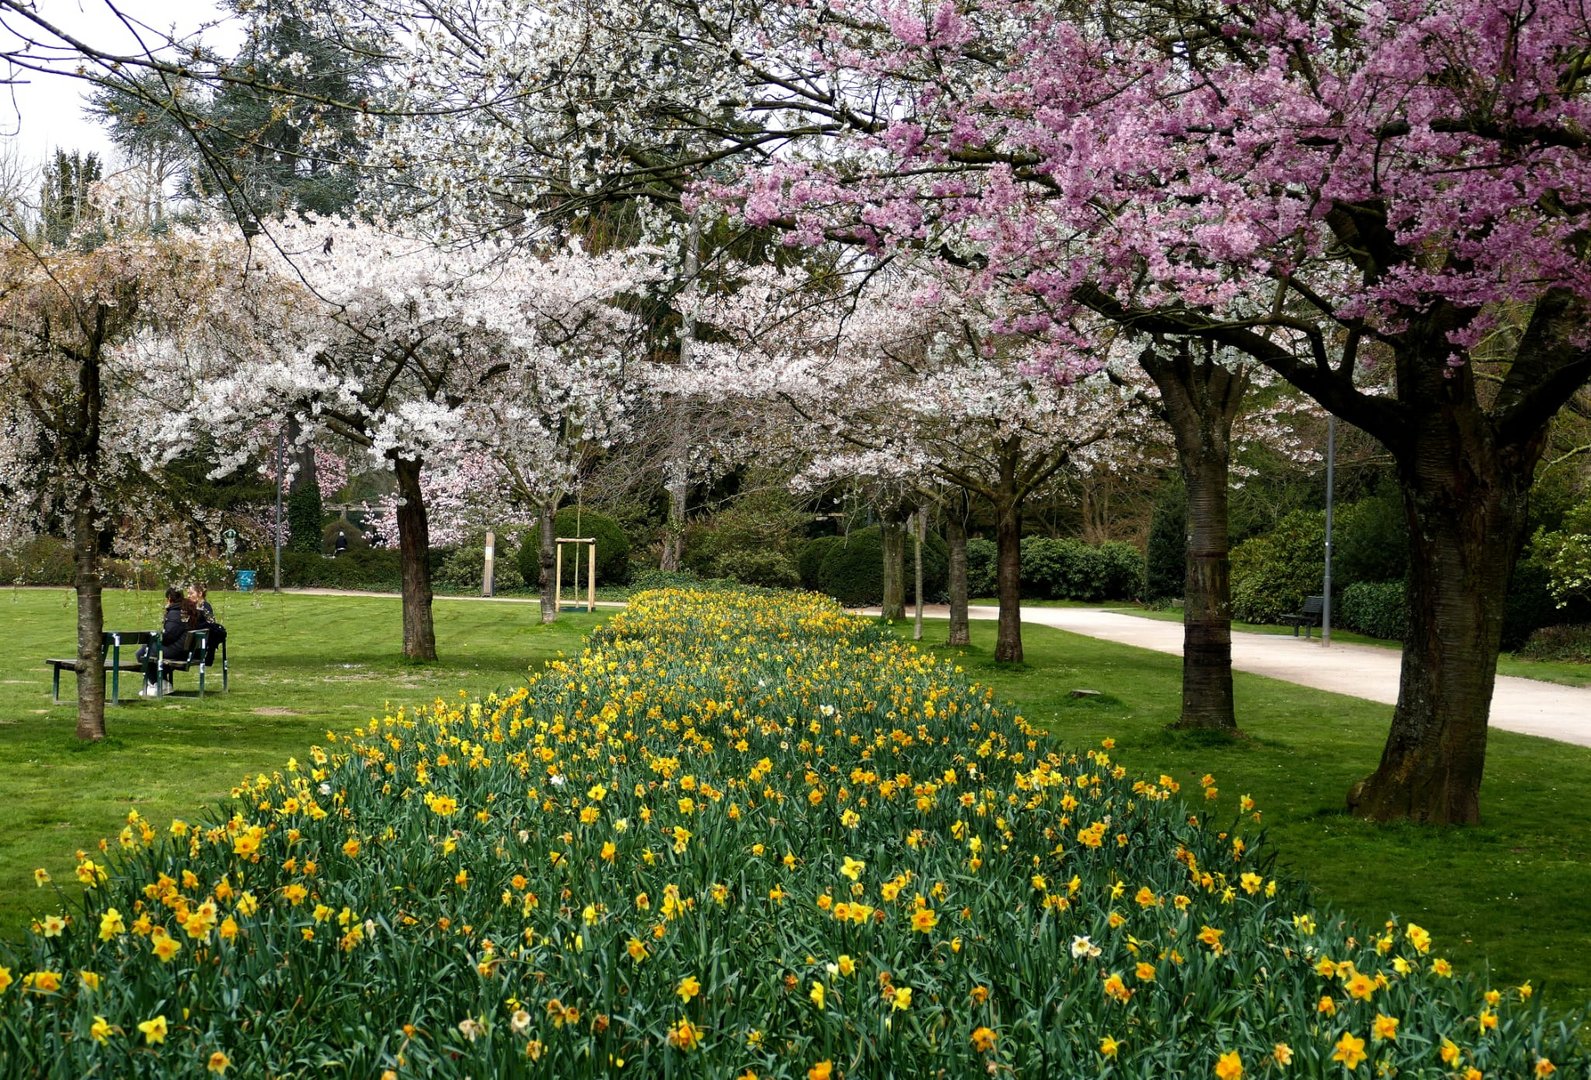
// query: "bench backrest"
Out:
[1314,605]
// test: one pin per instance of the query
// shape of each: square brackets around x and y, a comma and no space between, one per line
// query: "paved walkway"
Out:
[1364,671]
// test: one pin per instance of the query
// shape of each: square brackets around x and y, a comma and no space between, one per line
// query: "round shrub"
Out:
[768,568]
[613,549]
[810,559]
[1166,556]
[1272,573]
[1370,541]
[1561,643]
[1068,569]
[982,566]
[853,570]
[1377,608]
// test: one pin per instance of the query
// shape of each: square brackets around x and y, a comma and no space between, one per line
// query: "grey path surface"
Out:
[1364,671]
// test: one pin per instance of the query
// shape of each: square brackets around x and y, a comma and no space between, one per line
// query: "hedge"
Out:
[853,570]
[809,560]
[1377,608]
[1068,569]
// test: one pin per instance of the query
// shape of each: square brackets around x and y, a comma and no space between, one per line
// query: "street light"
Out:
[1331,462]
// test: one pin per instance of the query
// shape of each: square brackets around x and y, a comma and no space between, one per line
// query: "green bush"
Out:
[764,520]
[1562,643]
[328,537]
[1272,573]
[1166,555]
[1377,608]
[465,567]
[809,560]
[853,570]
[1370,541]
[768,568]
[1068,569]
[613,549]
[43,560]
[304,519]
[983,566]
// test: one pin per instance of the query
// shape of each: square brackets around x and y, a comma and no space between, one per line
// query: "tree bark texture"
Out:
[1201,399]
[1008,579]
[956,540]
[892,534]
[676,479]
[546,558]
[414,545]
[1465,497]
[85,448]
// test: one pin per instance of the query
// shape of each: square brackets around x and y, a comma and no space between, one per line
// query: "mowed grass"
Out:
[1508,896]
[301,665]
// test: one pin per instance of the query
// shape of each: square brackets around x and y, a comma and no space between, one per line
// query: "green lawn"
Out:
[300,665]
[1562,672]
[1509,895]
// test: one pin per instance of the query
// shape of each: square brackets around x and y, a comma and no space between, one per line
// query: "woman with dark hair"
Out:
[179,619]
[205,620]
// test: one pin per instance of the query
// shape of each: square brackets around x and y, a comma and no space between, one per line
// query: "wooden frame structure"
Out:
[591,574]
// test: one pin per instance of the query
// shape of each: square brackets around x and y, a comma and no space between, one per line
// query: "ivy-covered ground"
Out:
[738,835]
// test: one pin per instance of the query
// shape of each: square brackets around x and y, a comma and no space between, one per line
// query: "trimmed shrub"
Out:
[304,531]
[1377,608]
[1271,574]
[982,566]
[1370,541]
[853,570]
[1562,643]
[613,549]
[465,568]
[44,560]
[1166,555]
[766,567]
[1068,569]
[809,560]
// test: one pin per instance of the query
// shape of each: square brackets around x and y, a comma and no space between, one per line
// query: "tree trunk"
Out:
[956,540]
[90,625]
[546,557]
[892,532]
[414,545]
[1008,579]
[676,480]
[85,448]
[1466,507]
[1201,399]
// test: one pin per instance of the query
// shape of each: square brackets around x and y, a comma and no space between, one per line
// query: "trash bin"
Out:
[245,580]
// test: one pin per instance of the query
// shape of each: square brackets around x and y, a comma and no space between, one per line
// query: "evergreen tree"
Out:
[63,196]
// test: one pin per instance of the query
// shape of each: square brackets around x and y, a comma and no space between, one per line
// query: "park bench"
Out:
[111,644]
[197,641]
[1308,618]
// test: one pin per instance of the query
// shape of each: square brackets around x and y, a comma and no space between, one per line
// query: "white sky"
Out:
[46,111]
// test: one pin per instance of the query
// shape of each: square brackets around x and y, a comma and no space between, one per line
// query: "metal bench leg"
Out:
[55,691]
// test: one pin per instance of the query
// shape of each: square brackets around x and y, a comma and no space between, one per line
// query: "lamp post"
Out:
[1331,464]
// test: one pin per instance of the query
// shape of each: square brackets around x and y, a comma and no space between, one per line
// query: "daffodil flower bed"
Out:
[738,836]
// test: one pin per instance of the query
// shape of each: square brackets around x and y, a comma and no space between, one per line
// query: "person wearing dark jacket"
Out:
[205,620]
[174,630]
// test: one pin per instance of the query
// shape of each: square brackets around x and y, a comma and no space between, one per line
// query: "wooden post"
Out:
[491,558]
[557,580]
[591,578]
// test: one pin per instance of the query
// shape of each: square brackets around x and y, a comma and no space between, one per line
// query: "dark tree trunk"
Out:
[414,545]
[1008,579]
[546,558]
[1201,399]
[956,540]
[892,534]
[83,444]
[1465,500]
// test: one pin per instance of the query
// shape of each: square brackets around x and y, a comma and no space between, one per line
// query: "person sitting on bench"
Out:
[180,618]
[205,620]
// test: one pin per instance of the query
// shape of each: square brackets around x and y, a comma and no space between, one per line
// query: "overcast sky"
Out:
[46,110]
